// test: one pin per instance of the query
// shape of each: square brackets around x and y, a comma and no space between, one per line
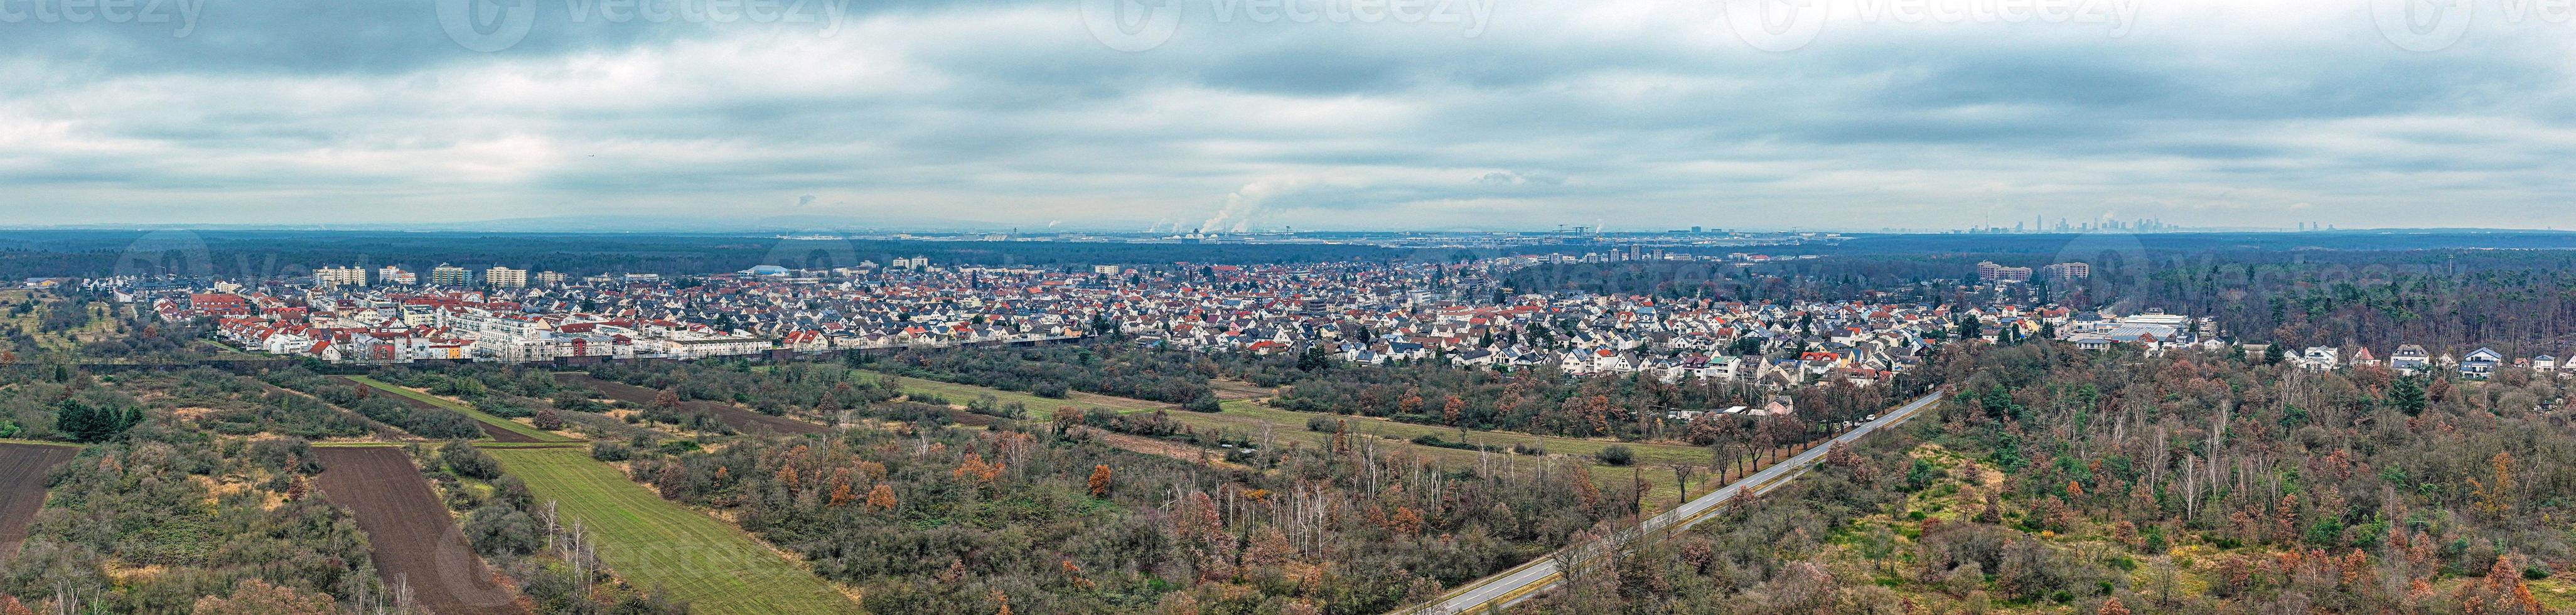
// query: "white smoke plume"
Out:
[1236,216]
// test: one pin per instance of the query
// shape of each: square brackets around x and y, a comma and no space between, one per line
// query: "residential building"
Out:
[1990,272]
[2480,364]
[504,277]
[395,276]
[340,276]
[2061,273]
[449,275]
[2320,358]
[2409,358]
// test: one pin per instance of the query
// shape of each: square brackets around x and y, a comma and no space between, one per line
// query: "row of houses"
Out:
[1456,313]
[2413,359]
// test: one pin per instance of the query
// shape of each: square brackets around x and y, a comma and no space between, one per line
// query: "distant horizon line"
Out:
[454,228]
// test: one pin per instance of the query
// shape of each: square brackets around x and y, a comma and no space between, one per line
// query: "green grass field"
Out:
[1246,417]
[1038,406]
[717,568]
[466,409]
[42,443]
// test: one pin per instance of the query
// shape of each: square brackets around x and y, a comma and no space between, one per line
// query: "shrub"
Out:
[1617,455]
[497,529]
[1323,424]
[1049,389]
[611,451]
[1528,448]
[502,408]
[468,461]
[513,492]
[1204,403]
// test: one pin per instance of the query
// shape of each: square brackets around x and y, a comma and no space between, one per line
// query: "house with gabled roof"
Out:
[2409,358]
[2481,363]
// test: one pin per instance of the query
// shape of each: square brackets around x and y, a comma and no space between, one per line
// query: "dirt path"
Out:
[1228,390]
[745,421]
[22,488]
[1166,448]
[415,541]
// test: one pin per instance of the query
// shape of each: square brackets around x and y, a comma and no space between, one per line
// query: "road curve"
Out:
[1511,587]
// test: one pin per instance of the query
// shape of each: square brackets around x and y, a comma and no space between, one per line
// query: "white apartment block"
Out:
[396,276]
[340,276]
[504,277]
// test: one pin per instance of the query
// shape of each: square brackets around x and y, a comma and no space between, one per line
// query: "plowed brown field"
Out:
[22,488]
[414,539]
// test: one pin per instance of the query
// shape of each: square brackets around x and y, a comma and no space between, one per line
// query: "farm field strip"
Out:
[1245,418]
[1038,406]
[1252,412]
[1646,452]
[688,555]
[1230,390]
[22,487]
[414,540]
[740,419]
[515,427]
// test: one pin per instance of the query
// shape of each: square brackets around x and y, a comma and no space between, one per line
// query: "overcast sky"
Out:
[1317,114]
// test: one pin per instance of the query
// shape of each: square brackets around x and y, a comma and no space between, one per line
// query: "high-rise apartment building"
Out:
[2065,272]
[449,275]
[1990,272]
[340,276]
[504,277]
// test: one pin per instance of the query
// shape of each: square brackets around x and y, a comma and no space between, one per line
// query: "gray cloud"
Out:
[1642,115]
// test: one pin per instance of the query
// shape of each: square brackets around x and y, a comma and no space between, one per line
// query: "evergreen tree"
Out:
[2407,396]
[87,423]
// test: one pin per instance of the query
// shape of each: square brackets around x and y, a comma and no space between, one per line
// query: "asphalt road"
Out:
[1519,584]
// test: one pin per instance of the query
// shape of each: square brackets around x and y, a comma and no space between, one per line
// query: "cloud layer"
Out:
[1318,114]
